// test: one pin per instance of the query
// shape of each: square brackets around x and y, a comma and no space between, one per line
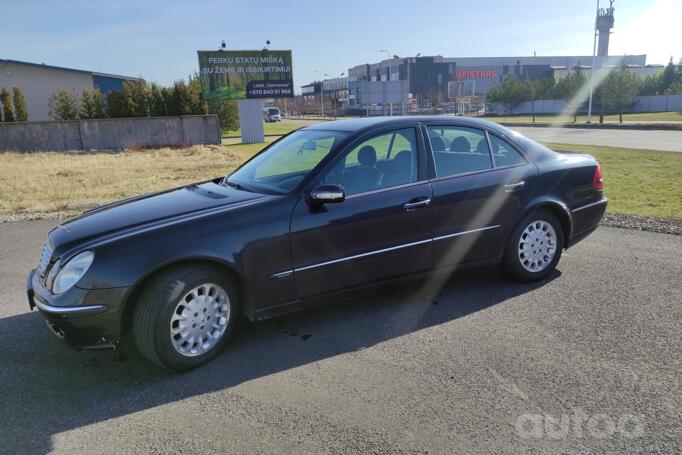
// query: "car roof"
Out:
[365,123]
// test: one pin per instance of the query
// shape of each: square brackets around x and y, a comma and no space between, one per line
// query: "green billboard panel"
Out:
[234,75]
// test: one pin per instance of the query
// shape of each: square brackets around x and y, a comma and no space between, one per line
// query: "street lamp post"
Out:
[323,75]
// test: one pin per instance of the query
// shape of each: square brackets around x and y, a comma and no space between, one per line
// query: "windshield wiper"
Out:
[237,185]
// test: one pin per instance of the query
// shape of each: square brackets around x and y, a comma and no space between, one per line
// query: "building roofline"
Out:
[64,68]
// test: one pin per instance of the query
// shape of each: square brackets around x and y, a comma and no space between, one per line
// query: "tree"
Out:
[532,93]
[667,82]
[619,88]
[157,107]
[510,93]
[87,105]
[137,97]
[98,102]
[227,113]
[167,93]
[116,107]
[7,109]
[20,110]
[63,105]
[199,106]
[186,99]
[568,87]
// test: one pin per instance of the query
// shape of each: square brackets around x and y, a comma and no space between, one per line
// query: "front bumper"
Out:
[85,318]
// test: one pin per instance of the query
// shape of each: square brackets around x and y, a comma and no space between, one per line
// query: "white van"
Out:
[271,114]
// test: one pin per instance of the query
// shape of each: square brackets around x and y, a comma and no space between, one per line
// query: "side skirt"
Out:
[343,295]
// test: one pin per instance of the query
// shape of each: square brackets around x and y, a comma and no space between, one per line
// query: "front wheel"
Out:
[534,248]
[185,316]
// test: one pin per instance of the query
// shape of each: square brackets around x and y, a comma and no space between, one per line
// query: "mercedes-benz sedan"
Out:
[329,208]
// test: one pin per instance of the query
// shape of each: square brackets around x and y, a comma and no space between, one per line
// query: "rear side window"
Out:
[505,154]
[459,150]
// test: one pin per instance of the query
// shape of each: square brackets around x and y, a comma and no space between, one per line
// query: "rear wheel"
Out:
[534,248]
[185,316]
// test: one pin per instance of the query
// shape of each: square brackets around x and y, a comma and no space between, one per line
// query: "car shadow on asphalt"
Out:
[47,388]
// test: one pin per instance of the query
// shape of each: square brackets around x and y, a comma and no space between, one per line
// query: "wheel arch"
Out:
[130,300]
[558,209]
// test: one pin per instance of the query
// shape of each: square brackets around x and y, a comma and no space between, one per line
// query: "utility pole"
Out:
[594,58]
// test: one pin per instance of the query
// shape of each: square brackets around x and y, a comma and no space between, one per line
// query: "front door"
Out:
[383,228]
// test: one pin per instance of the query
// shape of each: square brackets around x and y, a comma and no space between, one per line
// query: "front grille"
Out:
[45,257]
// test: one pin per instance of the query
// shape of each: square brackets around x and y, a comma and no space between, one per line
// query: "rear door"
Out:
[383,228]
[480,184]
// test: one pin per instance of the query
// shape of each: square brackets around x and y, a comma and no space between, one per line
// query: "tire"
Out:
[534,248]
[173,314]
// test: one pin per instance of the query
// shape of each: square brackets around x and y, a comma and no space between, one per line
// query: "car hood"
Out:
[147,211]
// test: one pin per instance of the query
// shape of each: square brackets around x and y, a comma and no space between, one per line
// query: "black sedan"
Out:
[329,208]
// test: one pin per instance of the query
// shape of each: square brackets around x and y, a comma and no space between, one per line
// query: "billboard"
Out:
[234,75]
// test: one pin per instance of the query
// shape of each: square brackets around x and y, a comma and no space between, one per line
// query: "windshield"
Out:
[283,165]
[273,111]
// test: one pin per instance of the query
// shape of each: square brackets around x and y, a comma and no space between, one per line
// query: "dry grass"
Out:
[35,185]
[40,185]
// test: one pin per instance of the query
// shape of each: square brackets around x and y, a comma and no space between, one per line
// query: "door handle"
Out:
[414,205]
[509,187]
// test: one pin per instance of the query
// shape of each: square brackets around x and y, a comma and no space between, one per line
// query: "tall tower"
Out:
[604,26]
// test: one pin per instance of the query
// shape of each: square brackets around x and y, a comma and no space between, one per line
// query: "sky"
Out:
[158,40]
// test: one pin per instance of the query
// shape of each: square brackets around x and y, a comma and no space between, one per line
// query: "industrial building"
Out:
[38,82]
[436,80]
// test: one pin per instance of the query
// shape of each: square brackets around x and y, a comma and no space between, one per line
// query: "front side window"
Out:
[283,165]
[459,150]
[388,159]
[505,154]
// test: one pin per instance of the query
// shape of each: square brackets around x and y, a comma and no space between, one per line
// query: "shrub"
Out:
[64,105]
[20,110]
[7,109]
[87,106]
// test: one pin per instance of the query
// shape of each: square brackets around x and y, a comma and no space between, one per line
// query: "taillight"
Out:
[597,180]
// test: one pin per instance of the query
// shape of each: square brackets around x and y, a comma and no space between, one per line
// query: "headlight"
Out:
[72,271]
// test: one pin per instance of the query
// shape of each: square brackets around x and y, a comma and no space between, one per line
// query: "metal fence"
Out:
[656,103]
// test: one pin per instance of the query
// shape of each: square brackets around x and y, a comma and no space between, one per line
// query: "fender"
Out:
[128,300]
[558,207]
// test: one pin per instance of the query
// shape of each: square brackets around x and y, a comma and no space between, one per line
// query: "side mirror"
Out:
[326,194]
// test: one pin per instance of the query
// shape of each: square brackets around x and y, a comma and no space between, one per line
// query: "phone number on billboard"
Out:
[273,92]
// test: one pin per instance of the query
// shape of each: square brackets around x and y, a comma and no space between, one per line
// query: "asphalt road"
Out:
[479,365]
[636,139]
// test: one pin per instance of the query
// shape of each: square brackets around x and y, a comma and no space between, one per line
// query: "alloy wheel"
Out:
[200,319]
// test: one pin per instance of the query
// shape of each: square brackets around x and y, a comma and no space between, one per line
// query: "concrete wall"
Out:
[658,103]
[107,134]
[38,83]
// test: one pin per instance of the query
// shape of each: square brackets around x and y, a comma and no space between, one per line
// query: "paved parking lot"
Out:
[587,361]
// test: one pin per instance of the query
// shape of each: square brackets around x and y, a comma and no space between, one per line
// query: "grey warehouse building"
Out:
[39,81]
